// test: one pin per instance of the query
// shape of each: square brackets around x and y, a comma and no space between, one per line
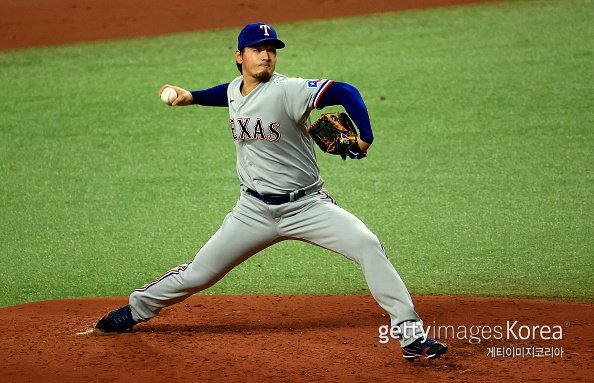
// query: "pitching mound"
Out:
[301,338]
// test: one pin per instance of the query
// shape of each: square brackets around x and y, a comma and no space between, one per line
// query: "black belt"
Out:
[276,199]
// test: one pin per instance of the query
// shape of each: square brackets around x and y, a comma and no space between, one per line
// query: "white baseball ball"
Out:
[168,95]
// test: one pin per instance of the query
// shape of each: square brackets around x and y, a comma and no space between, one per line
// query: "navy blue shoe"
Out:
[115,322]
[428,349]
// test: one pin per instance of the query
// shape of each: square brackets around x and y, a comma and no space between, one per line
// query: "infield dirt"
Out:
[300,338]
[29,23]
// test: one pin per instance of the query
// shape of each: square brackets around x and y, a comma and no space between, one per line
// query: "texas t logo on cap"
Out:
[256,34]
[266,28]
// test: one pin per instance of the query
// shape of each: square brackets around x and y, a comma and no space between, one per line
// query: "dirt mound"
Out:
[301,338]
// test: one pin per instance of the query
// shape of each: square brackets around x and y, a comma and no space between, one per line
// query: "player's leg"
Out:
[245,231]
[327,225]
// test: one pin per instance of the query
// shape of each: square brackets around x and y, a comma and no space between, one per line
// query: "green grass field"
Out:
[480,181]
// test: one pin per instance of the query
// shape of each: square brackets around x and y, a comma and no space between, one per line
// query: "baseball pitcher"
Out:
[282,195]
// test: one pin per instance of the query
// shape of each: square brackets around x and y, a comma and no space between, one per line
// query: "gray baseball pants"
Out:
[253,226]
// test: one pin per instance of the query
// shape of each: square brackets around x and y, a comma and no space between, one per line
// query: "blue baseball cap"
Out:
[258,33]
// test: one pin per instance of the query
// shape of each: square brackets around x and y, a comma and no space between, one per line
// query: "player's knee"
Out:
[365,244]
[368,240]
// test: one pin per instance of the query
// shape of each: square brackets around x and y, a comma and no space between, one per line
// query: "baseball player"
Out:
[282,195]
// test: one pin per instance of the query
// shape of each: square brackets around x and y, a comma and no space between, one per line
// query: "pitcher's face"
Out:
[257,62]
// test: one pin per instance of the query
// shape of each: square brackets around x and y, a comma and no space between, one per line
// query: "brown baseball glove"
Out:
[335,133]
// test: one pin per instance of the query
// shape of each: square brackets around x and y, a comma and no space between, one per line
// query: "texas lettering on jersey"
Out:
[247,128]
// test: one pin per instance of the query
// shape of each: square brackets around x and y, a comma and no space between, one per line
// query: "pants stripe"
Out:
[174,271]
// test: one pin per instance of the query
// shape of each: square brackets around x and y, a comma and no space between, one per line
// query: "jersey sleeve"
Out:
[215,96]
[341,93]
[303,95]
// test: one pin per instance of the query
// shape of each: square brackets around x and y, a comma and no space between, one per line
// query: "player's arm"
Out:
[341,93]
[215,96]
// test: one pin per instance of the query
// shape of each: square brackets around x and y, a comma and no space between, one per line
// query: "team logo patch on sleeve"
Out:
[314,83]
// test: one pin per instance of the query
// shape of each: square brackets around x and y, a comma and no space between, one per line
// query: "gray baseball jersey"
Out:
[275,155]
